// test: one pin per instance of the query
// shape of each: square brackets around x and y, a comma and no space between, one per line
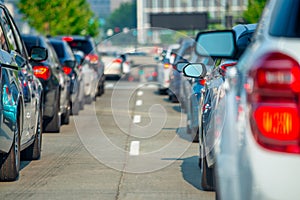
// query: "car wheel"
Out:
[75,107]
[66,116]
[207,179]
[10,163]
[88,99]
[195,135]
[173,98]
[33,152]
[54,125]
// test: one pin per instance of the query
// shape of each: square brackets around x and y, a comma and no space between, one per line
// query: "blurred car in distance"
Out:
[92,67]
[164,66]
[70,67]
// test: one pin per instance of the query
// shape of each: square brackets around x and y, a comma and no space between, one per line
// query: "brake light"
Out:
[42,72]
[67,70]
[273,91]
[67,39]
[202,82]
[224,67]
[93,58]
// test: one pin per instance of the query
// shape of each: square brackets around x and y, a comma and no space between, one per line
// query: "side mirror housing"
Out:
[217,44]
[38,54]
[194,70]
[181,64]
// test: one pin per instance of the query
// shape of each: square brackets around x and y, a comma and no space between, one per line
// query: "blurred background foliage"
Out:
[60,17]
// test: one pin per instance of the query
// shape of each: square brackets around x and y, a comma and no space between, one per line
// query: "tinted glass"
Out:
[59,49]
[82,45]
[286,19]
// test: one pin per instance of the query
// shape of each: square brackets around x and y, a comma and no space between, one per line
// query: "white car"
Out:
[258,150]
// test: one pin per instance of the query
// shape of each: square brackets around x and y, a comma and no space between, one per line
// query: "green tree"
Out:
[255,8]
[58,17]
[124,16]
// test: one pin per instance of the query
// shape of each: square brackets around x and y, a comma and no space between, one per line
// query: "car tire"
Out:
[88,99]
[33,152]
[54,125]
[207,178]
[10,163]
[66,116]
[75,107]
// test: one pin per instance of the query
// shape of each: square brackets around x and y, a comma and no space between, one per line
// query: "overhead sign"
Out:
[180,21]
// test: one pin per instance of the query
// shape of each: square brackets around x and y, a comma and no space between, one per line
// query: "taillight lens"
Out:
[202,82]
[67,70]
[42,72]
[273,93]
[224,67]
[67,39]
[93,58]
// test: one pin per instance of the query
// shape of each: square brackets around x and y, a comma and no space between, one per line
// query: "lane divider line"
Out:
[139,103]
[140,93]
[134,148]
[136,119]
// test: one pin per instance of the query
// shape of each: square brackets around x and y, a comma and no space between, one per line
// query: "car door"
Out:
[17,51]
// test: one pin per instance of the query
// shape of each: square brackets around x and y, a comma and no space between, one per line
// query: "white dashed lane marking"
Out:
[139,103]
[134,148]
[136,119]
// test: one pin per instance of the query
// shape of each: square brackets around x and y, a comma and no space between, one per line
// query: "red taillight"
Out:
[273,91]
[93,58]
[202,82]
[224,67]
[67,70]
[118,60]
[42,72]
[67,39]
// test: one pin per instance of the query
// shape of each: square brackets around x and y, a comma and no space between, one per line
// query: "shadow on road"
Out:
[182,133]
[191,172]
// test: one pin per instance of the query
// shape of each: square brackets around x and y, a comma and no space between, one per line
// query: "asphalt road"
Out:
[130,144]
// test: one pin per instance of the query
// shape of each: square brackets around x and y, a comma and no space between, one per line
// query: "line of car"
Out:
[242,103]
[43,82]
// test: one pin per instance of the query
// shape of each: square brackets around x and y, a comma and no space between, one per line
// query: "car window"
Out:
[285,19]
[3,41]
[12,44]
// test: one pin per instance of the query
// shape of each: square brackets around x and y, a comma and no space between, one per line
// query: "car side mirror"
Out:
[38,54]
[180,65]
[194,70]
[217,44]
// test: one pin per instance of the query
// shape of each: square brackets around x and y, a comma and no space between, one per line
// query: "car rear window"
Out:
[82,45]
[59,49]
[286,19]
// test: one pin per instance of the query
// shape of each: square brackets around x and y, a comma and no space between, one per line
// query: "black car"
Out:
[20,104]
[70,67]
[56,84]
[87,45]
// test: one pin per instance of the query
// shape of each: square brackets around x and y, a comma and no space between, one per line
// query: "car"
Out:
[116,67]
[92,67]
[184,53]
[258,148]
[20,105]
[164,67]
[70,67]
[56,84]
[209,125]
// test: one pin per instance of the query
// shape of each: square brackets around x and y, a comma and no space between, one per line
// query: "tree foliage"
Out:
[58,17]
[124,16]
[255,8]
